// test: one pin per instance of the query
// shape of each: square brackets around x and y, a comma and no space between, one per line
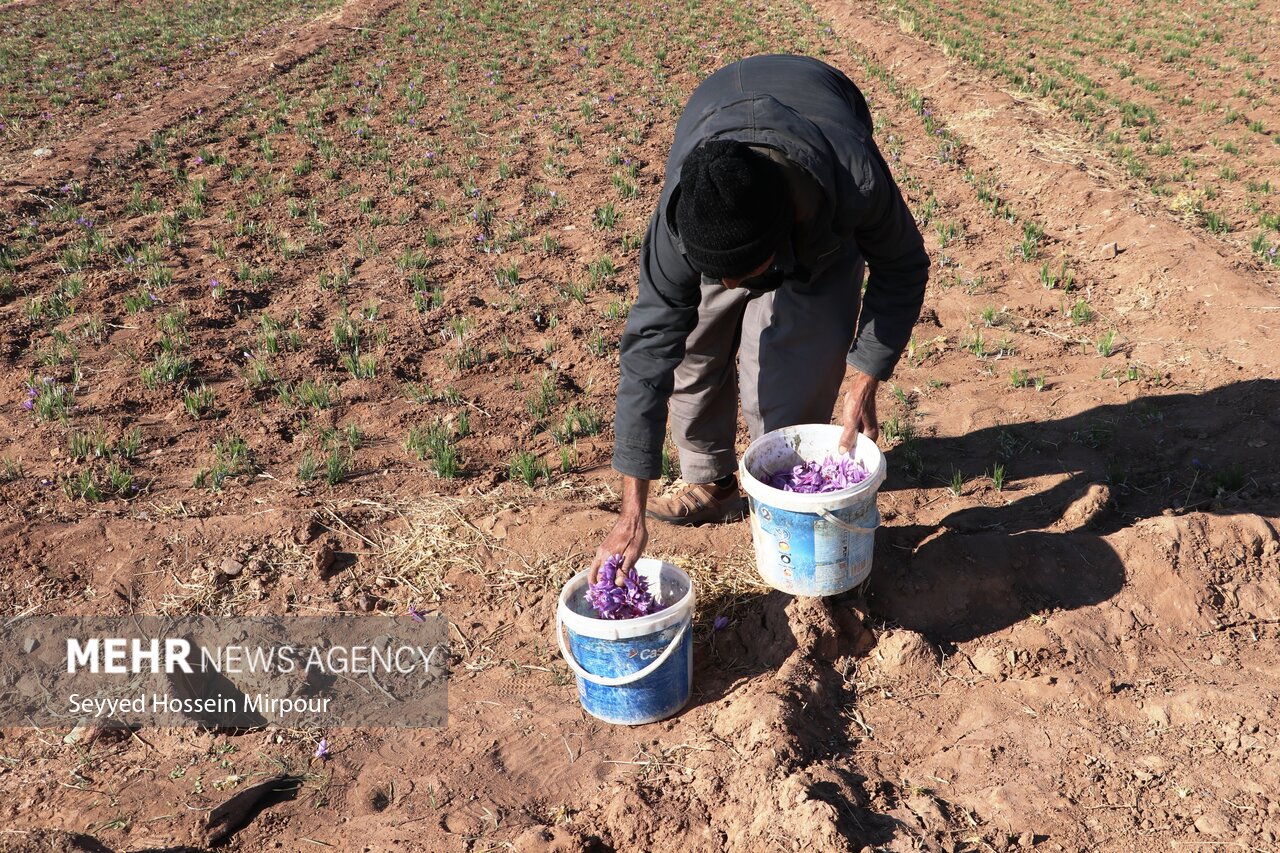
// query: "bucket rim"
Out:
[865,450]
[639,626]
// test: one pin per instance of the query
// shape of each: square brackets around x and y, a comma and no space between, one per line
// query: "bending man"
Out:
[775,198]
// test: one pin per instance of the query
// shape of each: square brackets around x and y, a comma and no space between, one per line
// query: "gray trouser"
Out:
[790,345]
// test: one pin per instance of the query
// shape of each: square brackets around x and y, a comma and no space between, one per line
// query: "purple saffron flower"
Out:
[628,601]
[829,475]
[721,623]
[416,615]
[322,749]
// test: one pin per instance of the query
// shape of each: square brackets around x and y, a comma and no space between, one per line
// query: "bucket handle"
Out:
[827,515]
[619,680]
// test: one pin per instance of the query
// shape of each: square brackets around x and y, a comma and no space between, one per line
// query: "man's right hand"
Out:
[629,535]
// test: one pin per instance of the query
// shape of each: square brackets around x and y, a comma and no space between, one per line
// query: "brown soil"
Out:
[1082,659]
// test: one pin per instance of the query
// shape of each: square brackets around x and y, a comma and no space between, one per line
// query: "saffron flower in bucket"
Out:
[628,601]
[829,475]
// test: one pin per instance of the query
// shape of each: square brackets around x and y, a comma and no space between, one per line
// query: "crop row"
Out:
[1151,88]
[59,66]
[452,194]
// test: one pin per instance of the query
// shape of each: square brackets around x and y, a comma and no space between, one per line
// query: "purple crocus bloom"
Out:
[829,475]
[322,748]
[416,615]
[628,601]
[721,623]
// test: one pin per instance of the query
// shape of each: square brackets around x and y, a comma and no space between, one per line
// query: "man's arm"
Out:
[652,346]
[665,311]
[629,534]
[894,251]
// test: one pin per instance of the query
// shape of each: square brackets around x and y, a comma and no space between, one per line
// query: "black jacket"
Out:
[815,117]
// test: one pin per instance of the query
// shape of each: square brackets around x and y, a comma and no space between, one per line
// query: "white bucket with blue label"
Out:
[631,671]
[811,544]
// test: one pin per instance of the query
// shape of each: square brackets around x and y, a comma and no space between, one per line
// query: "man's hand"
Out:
[860,410]
[629,535]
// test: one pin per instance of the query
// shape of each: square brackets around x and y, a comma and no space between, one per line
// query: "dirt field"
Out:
[331,326]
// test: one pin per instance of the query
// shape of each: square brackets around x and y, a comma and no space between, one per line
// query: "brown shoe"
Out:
[699,503]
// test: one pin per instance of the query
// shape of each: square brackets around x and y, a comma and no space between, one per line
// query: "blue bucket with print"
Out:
[811,544]
[631,671]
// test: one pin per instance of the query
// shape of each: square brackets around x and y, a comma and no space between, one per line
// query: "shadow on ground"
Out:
[982,569]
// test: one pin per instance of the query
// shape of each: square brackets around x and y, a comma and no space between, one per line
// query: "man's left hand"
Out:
[859,410]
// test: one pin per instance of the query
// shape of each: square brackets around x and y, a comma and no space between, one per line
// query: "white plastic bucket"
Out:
[811,544]
[631,671]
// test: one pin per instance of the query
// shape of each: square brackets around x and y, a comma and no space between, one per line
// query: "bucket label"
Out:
[804,554]
[654,697]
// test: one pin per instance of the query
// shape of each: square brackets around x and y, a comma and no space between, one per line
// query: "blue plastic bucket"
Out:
[631,671]
[819,544]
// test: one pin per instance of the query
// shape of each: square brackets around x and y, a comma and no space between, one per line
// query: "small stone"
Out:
[231,567]
[988,662]
[326,556]
[42,152]
[1213,823]
[1086,508]
[1027,840]
[75,735]
[906,653]
[29,645]
[1106,251]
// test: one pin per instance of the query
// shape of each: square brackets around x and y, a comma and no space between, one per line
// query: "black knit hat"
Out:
[733,210]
